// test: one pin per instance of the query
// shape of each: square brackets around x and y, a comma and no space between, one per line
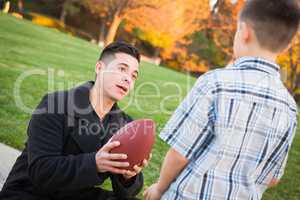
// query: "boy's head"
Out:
[117,70]
[266,25]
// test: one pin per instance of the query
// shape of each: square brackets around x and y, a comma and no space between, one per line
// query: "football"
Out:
[136,140]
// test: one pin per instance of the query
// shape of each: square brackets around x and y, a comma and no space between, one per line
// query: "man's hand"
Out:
[105,161]
[137,169]
[153,192]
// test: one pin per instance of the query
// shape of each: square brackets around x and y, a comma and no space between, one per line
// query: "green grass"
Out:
[25,47]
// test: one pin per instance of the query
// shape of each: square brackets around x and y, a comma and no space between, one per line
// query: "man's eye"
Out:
[122,69]
[134,77]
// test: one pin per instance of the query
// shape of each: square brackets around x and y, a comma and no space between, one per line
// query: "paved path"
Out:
[8,157]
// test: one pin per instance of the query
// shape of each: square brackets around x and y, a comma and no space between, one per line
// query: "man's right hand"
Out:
[106,161]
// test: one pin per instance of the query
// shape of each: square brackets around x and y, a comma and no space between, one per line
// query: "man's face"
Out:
[118,76]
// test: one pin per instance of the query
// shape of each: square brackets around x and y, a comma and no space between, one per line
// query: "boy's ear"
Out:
[247,32]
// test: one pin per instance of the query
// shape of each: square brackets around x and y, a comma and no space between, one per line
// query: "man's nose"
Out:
[127,79]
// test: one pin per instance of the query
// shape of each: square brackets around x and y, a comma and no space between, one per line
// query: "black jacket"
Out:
[58,161]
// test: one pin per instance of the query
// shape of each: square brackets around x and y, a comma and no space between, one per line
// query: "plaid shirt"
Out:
[236,127]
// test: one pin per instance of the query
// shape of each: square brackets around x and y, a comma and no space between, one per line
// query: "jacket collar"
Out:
[79,104]
[90,132]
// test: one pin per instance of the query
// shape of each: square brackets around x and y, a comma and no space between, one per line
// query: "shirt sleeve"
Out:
[276,162]
[279,170]
[191,122]
[283,157]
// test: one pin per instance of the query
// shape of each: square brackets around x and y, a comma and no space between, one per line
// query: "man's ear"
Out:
[99,66]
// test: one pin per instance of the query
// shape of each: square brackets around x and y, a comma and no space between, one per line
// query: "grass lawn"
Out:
[26,48]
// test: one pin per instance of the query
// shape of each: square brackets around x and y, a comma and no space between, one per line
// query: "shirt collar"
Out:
[258,64]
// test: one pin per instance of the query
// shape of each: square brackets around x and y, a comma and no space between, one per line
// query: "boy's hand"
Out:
[137,169]
[274,182]
[153,192]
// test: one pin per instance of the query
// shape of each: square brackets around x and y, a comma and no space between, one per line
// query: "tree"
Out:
[223,23]
[68,7]
[290,66]
[211,45]
[21,6]
[169,24]
[115,11]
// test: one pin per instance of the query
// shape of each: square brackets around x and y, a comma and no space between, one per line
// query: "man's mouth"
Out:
[124,89]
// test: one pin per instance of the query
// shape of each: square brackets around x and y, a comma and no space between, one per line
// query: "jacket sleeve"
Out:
[129,188]
[48,169]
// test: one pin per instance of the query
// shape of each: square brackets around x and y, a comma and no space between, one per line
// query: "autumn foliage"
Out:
[187,35]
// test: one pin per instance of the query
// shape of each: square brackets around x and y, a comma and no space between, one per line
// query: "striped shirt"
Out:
[235,127]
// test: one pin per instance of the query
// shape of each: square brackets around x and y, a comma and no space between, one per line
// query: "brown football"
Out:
[136,140]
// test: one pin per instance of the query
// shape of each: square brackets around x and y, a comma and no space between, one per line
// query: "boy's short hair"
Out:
[118,47]
[275,22]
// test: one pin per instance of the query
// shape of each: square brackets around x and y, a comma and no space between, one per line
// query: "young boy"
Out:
[231,135]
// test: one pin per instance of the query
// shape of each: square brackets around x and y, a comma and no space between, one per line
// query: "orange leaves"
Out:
[290,65]
[223,24]
[170,21]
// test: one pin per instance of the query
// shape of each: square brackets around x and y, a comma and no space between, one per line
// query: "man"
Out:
[231,136]
[67,154]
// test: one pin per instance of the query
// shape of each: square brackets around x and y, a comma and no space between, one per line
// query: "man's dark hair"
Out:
[275,22]
[118,47]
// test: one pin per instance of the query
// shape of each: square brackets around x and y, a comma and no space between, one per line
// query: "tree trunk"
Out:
[112,31]
[216,6]
[101,32]
[133,42]
[156,52]
[21,6]
[6,7]
[63,13]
